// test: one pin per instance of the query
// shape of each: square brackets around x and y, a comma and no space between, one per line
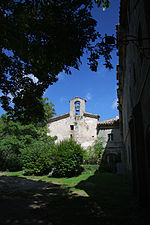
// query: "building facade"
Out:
[133,74]
[85,127]
[78,124]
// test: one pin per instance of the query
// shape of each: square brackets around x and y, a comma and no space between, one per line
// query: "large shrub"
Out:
[36,158]
[67,159]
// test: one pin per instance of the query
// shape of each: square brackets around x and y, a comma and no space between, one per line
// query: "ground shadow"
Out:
[114,199]
[24,201]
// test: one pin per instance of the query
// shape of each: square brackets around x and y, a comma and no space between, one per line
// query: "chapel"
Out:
[85,128]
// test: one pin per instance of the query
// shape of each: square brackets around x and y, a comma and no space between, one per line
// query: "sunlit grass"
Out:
[70,183]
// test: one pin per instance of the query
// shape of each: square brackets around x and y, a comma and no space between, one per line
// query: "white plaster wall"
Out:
[115,144]
[60,128]
[84,132]
[104,135]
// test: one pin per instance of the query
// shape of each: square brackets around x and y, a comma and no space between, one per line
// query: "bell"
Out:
[78,108]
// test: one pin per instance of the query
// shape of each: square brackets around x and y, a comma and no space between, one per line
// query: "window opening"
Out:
[77,108]
[72,127]
[110,137]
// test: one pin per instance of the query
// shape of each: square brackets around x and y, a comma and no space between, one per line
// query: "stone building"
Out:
[133,74]
[78,124]
[85,127]
[109,131]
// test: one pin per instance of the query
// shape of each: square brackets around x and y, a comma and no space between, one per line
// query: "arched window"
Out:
[77,107]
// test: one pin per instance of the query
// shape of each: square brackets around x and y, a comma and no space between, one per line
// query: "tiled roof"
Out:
[114,121]
[92,115]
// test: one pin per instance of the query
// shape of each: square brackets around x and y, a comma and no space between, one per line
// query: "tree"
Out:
[34,110]
[16,137]
[94,153]
[39,39]
[103,3]
[49,110]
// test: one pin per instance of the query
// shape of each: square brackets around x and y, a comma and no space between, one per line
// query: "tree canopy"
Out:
[17,139]
[38,40]
[39,115]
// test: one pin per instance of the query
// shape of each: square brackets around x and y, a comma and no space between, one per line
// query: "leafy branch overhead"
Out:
[103,3]
[41,38]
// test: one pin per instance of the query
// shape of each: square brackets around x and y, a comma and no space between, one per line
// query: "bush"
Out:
[10,154]
[68,157]
[10,162]
[36,158]
[16,138]
[93,154]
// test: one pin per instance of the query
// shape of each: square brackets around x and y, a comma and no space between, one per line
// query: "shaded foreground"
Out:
[103,199]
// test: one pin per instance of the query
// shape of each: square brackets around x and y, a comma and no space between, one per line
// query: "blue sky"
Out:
[98,88]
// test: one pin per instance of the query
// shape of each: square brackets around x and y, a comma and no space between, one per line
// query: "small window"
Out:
[72,127]
[70,136]
[110,137]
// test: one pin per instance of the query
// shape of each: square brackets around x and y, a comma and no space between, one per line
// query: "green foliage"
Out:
[36,158]
[40,39]
[14,137]
[103,3]
[93,154]
[49,110]
[67,159]
[27,115]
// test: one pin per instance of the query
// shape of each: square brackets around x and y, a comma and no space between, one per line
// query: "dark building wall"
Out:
[134,92]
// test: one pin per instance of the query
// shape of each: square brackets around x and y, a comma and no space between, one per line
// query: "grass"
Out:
[89,183]
[70,183]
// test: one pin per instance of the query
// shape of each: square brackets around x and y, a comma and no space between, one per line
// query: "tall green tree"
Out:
[36,110]
[39,39]
[15,137]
